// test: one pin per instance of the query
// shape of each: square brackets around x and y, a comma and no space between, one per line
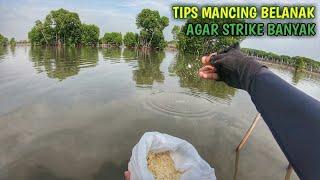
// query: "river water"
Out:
[76,113]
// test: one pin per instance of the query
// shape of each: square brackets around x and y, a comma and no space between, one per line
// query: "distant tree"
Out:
[66,27]
[62,27]
[89,35]
[284,59]
[206,44]
[112,39]
[130,39]
[151,24]
[298,62]
[3,40]
[36,35]
[22,42]
[13,42]
[175,32]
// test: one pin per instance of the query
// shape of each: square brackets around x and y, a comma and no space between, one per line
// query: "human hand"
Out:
[232,67]
[127,175]
[208,71]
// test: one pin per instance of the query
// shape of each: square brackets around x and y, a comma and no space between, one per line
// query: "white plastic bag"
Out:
[184,155]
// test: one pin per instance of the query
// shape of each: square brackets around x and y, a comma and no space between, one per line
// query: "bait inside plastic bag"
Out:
[184,155]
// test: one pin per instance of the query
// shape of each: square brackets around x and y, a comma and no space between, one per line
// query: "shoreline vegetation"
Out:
[63,28]
[205,44]
[297,63]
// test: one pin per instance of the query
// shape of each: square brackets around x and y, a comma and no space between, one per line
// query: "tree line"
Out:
[4,41]
[63,27]
[205,44]
[298,62]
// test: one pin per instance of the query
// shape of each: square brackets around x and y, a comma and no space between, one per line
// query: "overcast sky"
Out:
[18,16]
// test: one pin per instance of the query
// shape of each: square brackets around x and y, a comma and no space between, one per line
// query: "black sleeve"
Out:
[294,120]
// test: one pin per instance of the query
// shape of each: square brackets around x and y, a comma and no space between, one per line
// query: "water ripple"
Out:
[180,104]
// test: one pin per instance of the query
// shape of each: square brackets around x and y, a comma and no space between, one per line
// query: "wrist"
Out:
[263,71]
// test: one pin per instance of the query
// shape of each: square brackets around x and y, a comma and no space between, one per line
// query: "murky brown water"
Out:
[77,113]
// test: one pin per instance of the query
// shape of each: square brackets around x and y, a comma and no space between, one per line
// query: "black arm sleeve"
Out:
[294,120]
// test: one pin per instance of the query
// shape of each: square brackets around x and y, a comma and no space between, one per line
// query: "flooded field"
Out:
[71,113]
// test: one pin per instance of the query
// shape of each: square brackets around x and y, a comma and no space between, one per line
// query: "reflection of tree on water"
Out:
[129,54]
[148,69]
[3,52]
[13,50]
[297,76]
[187,66]
[61,63]
[116,54]
[112,54]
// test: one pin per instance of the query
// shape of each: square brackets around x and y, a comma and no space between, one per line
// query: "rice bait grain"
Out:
[162,166]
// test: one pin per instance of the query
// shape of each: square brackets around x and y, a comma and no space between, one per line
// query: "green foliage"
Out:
[299,63]
[206,44]
[158,41]
[175,32]
[113,39]
[13,42]
[3,40]
[36,35]
[131,39]
[89,35]
[297,76]
[151,24]
[63,27]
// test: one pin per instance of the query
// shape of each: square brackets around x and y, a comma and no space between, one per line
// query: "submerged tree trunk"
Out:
[45,38]
[149,44]
[56,43]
